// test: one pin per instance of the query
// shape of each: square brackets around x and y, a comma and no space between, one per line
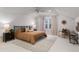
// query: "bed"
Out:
[29,36]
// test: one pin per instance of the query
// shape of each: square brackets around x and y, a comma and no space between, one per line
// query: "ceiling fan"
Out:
[37,9]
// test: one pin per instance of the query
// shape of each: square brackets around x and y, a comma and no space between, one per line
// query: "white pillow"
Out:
[27,29]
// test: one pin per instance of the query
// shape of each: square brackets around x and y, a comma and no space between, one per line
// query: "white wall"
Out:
[24,21]
[16,20]
[70,22]
[30,20]
[1,29]
[76,20]
[3,20]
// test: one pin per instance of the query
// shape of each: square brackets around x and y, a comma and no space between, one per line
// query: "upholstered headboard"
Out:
[21,27]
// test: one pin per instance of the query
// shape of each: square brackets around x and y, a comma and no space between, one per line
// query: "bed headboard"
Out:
[22,27]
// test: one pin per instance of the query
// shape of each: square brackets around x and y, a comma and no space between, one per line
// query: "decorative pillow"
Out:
[26,29]
[22,29]
[30,31]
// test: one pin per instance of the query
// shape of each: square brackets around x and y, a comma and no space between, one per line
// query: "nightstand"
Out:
[7,37]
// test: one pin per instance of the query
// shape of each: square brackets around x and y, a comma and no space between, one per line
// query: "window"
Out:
[47,22]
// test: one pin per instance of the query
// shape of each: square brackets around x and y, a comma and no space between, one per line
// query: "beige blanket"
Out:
[31,36]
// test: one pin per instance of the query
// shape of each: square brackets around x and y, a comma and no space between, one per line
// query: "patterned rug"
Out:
[42,45]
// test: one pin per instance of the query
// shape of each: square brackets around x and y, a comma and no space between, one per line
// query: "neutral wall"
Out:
[70,22]
[24,21]
[30,20]
[1,29]
[3,20]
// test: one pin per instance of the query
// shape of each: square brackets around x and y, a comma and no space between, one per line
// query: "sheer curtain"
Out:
[54,25]
[40,23]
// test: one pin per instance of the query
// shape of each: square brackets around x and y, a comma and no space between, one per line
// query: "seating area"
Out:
[73,38]
[71,35]
[65,33]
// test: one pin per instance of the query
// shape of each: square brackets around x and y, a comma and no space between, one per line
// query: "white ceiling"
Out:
[15,11]
[68,11]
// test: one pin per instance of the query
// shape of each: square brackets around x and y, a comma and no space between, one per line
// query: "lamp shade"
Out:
[6,27]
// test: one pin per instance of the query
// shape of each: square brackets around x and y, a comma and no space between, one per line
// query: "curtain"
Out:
[54,25]
[40,23]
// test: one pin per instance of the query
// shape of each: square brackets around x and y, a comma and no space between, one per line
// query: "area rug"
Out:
[42,45]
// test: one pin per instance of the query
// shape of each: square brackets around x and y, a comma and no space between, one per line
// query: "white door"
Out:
[47,24]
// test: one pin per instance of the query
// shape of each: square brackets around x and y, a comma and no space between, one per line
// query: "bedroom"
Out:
[35,19]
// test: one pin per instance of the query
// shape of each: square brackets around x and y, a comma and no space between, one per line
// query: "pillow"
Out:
[18,30]
[30,30]
[27,29]
[22,29]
